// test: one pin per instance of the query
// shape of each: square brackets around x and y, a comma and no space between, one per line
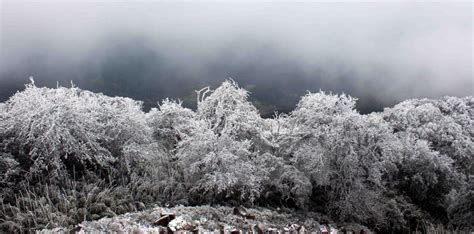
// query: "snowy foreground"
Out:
[204,219]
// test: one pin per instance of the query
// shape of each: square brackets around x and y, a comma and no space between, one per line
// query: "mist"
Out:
[381,53]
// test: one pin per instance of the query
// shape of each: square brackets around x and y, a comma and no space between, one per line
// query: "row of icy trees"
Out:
[388,170]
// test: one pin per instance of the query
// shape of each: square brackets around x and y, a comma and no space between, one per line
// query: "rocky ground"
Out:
[205,219]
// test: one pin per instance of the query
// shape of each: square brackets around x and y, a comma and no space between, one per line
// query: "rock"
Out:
[199,229]
[293,227]
[240,211]
[75,230]
[324,221]
[365,230]
[163,230]
[323,229]
[180,223]
[221,228]
[301,230]
[347,231]
[272,231]
[164,219]
[333,230]
[259,228]
[310,223]
[115,226]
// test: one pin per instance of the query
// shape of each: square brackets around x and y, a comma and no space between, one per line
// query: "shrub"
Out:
[52,131]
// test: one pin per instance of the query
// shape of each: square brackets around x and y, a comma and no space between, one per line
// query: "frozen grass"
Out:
[48,206]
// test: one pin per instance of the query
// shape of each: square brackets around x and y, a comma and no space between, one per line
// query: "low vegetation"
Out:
[69,155]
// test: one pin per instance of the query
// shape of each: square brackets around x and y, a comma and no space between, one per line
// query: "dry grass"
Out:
[47,206]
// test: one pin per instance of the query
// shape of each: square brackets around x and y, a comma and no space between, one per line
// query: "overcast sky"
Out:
[379,52]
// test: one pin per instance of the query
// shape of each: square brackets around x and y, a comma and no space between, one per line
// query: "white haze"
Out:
[405,49]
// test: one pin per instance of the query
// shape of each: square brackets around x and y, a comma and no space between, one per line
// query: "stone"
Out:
[301,230]
[180,223]
[259,228]
[115,226]
[323,229]
[76,229]
[273,231]
[164,219]
[238,210]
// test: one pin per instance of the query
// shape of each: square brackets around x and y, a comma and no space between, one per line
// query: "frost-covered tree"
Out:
[209,151]
[316,119]
[425,176]
[284,185]
[460,210]
[239,155]
[220,152]
[227,111]
[171,124]
[387,170]
[220,168]
[437,152]
[49,131]
[447,124]
[342,152]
